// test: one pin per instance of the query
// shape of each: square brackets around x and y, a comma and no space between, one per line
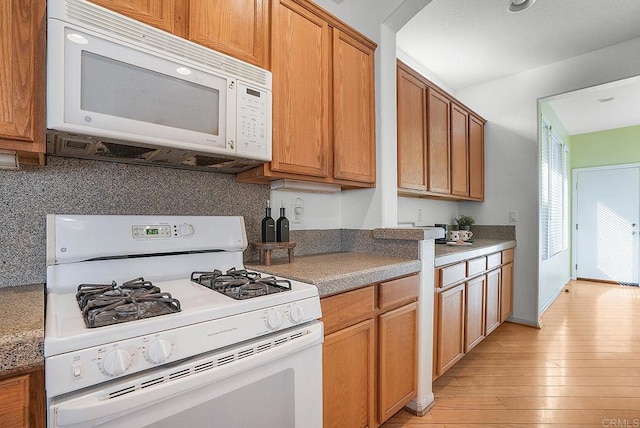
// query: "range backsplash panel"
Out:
[74,186]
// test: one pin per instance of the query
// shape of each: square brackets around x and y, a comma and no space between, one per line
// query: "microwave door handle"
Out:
[94,406]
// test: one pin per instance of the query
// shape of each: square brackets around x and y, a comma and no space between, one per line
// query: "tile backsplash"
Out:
[74,186]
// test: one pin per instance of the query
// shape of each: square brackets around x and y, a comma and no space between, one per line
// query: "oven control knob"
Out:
[186,230]
[274,320]
[158,351]
[296,314]
[116,362]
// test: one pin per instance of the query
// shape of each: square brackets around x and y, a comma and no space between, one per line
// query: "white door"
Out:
[607,215]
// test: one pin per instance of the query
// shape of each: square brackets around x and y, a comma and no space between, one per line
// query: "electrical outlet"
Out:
[297,209]
[419,218]
[513,216]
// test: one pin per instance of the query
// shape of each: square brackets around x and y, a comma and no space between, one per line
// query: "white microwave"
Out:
[120,90]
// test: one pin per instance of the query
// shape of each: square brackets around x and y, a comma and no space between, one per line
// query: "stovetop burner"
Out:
[240,284]
[106,304]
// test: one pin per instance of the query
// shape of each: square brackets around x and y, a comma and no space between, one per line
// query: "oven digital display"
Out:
[253,92]
[151,231]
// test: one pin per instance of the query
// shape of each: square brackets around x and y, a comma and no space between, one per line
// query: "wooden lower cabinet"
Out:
[348,374]
[22,401]
[398,359]
[492,318]
[450,334]
[472,298]
[506,291]
[370,353]
[474,315]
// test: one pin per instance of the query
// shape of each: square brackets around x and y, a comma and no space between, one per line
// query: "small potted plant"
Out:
[464,222]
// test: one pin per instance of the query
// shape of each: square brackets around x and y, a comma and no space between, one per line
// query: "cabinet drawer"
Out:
[397,291]
[476,266]
[494,260]
[507,256]
[343,310]
[452,274]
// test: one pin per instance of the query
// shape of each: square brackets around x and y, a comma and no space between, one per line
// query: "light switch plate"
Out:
[513,216]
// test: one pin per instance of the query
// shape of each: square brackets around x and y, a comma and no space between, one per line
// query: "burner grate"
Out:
[107,304]
[240,284]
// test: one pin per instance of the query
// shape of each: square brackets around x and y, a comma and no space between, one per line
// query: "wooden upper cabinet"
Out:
[412,137]
[459,151]
[353,116]
[301,90]
[438,108]
[239,28]
[440,146]
[476,158]
[167,15]
[323,100]
[22,79]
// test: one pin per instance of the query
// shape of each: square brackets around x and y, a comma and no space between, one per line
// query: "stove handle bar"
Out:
[94,407]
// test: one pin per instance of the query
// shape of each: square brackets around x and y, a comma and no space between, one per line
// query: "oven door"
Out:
[274,381]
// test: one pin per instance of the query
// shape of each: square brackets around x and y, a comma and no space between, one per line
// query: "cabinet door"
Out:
[412,137]
[348,376]
[354,144]
[492,319]
[474,315]
[438,107]
[506,307]
[450,341]
[22,78]
[398,359]
[14,401]
[239,28]
[459,151]
[476,158]
[300,57]
[167,15]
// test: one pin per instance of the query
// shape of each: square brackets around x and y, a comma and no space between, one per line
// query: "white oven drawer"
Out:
[276,380]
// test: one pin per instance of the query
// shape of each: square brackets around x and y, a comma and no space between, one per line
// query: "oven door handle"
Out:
[97,405]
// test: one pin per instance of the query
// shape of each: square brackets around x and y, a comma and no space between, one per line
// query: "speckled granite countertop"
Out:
[408,233]
[338,272]
[446,254]
[21,327]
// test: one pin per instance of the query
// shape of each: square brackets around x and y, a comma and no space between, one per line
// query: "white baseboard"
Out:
[422,406]
[524,322]
[553,299]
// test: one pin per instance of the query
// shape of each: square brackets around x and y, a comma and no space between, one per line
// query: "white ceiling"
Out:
[581,112]
[468,42]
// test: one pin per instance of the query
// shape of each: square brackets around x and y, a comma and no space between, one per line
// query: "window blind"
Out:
[554,193]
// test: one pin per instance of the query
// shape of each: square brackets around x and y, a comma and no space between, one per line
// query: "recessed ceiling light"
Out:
[520,5]
[605,99]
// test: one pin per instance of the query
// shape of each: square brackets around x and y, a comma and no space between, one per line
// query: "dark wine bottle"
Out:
[268,226]
[282,226]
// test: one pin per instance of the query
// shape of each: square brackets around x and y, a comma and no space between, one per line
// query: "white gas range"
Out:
[188,341]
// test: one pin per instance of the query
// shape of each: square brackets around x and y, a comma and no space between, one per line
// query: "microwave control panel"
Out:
[253,120]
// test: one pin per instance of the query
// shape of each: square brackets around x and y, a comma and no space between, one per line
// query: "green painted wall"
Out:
[612,147]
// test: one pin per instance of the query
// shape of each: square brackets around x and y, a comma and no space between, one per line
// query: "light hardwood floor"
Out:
[582,369]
